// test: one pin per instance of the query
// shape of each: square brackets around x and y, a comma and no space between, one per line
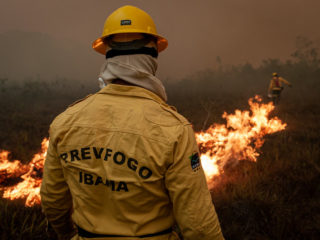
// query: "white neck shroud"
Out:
[137,69]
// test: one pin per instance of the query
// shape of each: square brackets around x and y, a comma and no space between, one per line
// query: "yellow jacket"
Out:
[121,162]
[276,83]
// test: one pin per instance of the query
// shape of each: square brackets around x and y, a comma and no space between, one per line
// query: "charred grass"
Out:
[19,222]
[276,198]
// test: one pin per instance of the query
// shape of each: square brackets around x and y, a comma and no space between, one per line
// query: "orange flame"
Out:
[29,188]
[221,145]
[238,139]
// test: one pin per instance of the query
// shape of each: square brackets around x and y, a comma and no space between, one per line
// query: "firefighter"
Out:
[275,87]
[121,163]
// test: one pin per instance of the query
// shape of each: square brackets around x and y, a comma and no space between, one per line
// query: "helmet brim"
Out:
[101,47]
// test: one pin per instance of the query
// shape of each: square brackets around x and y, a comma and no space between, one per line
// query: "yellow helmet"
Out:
[128,19]
[274,74]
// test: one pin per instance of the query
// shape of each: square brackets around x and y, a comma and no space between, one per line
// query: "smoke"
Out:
[56,38]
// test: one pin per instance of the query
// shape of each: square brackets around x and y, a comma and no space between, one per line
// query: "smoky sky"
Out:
[237,31]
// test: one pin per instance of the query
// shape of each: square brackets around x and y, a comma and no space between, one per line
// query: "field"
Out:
[278,197]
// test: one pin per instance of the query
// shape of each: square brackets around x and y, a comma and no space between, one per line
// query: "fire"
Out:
[29,188]
[221,145]
[239,139]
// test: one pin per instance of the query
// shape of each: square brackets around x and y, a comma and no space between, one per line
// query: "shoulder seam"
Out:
[181,119]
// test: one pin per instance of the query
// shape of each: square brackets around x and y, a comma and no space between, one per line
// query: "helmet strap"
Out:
[134,44]
[144,50]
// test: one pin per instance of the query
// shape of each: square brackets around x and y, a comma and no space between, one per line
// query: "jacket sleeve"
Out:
[55,196]
[187,187]
[284,81]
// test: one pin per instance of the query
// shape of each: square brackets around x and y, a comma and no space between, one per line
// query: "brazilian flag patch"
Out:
[195,162]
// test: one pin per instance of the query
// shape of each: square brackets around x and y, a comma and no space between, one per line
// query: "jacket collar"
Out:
[126,90]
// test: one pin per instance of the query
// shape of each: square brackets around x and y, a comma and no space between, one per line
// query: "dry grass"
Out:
[276,198]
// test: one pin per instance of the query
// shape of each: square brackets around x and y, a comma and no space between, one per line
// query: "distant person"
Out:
[121,163]
[275,87]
